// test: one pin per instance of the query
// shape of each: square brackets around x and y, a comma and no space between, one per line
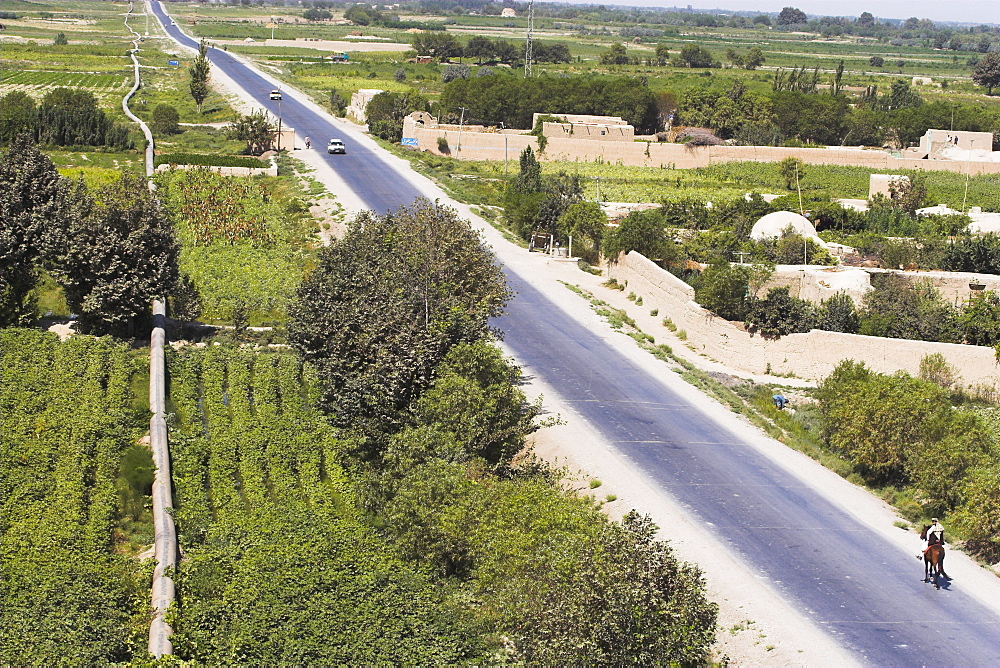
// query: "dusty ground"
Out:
[757,627]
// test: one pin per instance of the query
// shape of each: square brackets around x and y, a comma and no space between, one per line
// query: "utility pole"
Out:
[968,171]
[527,46]
[279,125]
[797,187]
[461,119]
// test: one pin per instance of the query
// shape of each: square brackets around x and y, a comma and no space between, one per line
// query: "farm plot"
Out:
[68,421]
[40,79]
[279,567]
[244,249]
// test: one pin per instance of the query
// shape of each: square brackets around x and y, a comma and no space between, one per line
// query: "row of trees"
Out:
[895,307]
[64,117]
[445,46]
[111,252]
[795,110]
[690,55]
[501,98]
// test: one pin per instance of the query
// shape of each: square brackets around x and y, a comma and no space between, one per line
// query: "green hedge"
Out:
[208,160]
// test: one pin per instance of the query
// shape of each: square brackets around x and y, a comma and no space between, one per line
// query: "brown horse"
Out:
[933,560]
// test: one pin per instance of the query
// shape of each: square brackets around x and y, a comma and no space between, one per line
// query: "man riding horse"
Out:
[933,535]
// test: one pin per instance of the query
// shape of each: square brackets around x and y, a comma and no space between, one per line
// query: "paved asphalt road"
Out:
[878,608]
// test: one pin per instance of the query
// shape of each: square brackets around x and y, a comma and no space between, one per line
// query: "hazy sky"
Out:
[977,11]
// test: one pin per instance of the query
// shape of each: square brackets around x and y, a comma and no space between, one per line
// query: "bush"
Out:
[165,120]
[979,516]
[443,145]
[453,72]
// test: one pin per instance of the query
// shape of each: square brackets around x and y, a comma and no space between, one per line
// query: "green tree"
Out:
[693,55]
[908,195]
[754,58]
[898,309]
[316,14]
[979,319]
[838,314]
[586,223]
[385,305]
[866,20]
[69,116]
[199,72]
[35,203]
[440,45]
[939,469]
[165,120]
[115,259]
[642,232]
[791,170]
[385,113]
[524,195]
[636,583]
[480,48]
[979,515]
[255,129]
[789,16]
[18,114]
[474,410]
[987,72]
[779,314]
[616,55]
[529,176]
[876,61]
[60,39]
[877,420]
[337,102]
[724,289]
[603,593]
[662,54]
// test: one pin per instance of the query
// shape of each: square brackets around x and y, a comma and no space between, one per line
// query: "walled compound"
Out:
[812,355]
[479,142]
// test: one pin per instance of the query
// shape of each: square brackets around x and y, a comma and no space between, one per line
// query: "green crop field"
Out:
[91,81]
[72,486]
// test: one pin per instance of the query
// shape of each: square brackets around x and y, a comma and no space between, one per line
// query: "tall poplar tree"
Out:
[199,75]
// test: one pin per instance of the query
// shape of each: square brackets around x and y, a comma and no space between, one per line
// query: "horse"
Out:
[933,560]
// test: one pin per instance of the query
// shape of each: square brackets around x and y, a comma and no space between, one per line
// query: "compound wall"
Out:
[507,145]
[812,355]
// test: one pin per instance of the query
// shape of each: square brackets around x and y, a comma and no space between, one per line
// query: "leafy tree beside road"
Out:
[430,283]
[199,72]
[255,129]
[385,113]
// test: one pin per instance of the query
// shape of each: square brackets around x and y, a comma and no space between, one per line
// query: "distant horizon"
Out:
[969,11]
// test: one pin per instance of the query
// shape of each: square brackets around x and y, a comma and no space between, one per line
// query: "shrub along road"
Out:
[870,600]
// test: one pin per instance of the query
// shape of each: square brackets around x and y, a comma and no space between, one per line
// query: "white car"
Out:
[275,94]
[336,146]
